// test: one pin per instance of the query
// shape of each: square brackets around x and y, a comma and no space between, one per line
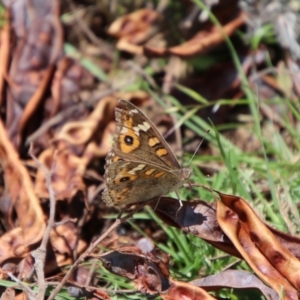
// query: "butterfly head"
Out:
[185,173]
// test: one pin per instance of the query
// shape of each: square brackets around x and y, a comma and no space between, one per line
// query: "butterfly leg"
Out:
[138,206]
[157,203]
[180,204]
[190,185]
[122,210]
[126,209]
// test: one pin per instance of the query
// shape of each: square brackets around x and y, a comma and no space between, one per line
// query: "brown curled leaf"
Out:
[67,177]
[232,227]
[283,260]
[133,29]
[147,271]
[81,132]
[235,279]
[201,43]
[289,241]
[8,294]
[187,291]
[25,202]
[195,217]
[11,245]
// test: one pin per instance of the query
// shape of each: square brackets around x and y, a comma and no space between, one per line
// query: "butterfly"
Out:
[141,165]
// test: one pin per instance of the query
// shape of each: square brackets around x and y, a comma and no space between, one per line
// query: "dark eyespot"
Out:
[124,179]
[128,139]
[120,159]
[127,117]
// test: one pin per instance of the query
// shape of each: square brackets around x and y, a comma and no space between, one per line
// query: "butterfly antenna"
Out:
[198,147]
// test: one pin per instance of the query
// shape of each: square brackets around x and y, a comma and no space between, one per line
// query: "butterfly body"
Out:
[141,165]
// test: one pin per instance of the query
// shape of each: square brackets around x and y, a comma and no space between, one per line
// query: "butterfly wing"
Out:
[141,165]
[137,139]
[130,182]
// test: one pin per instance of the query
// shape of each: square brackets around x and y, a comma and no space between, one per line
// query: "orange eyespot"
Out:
[129,142]
[128,139]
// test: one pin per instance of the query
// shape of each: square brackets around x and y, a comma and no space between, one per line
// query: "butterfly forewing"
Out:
[137,138]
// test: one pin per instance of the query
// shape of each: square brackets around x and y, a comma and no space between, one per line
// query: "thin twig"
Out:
[71,220]
[40,253]
[24,287]
[93,288]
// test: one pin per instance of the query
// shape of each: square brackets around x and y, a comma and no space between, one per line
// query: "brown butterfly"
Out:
[141,165]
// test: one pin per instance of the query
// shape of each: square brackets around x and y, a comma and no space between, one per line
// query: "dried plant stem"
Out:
[40,253]
[26,289]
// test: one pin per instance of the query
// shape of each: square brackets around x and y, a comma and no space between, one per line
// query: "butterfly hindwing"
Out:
[130,182]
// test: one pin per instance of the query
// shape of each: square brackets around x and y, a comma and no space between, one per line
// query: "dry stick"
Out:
[30,293]
[89,251]
[90,288]
[71,220]
[93,288]
[40,253]
[91,272]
